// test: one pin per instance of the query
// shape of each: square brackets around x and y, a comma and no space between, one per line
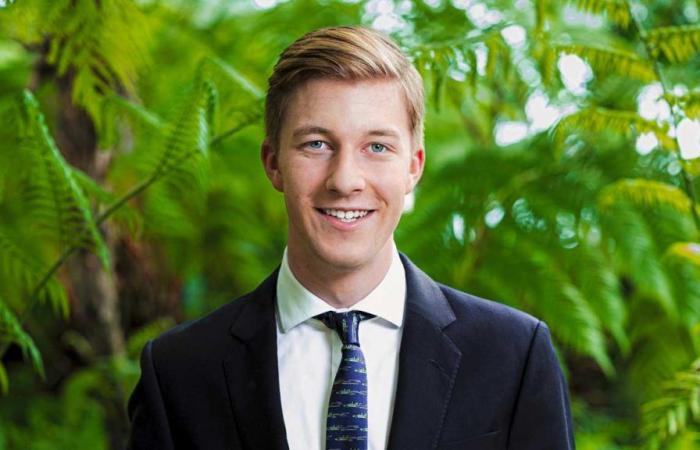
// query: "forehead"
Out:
[347,107]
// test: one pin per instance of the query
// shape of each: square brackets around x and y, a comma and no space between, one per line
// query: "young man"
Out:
[348,345]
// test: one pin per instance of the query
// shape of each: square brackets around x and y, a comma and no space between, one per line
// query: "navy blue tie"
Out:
[346,425]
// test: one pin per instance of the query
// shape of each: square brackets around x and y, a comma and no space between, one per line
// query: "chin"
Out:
[344,259]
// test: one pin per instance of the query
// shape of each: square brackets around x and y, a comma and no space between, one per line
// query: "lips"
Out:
[345,215]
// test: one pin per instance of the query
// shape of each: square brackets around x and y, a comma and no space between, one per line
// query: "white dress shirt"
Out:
[309,353]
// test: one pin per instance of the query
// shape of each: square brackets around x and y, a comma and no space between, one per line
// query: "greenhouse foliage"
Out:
[561,179]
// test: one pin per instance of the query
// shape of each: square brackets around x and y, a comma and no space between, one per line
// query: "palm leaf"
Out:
[104,43]
[610,60]
[688,252]
[676,43]
[59,203]
[24,271]
[11,332]
[689,103]
[634,251]
[616,10]
[676,407]
[597,120]
[644,192]
[187,141]
[127,215]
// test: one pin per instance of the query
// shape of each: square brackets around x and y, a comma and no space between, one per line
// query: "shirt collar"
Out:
[296,304]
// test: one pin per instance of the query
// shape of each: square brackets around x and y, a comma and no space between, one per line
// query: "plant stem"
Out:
[104,215]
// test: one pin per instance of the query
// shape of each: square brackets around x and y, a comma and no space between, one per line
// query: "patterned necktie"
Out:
[346,426]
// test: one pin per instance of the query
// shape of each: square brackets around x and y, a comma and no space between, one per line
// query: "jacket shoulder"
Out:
[491,322]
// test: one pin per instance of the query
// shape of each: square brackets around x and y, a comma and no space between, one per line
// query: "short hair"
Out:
[342,53]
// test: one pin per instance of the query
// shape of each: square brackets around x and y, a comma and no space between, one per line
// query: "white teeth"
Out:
[346,216]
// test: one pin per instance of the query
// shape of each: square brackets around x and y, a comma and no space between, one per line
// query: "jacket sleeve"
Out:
[542,416]
[149,421]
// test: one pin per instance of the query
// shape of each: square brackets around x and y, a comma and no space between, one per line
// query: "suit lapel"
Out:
[251,371]
[428,364]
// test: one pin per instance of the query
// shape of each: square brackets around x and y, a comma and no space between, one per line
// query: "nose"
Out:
[345,175]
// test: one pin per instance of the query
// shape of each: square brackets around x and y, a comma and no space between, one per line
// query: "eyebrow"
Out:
[312,129]
[303,131]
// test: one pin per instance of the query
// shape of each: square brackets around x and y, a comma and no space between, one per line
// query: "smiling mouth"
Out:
[347,216]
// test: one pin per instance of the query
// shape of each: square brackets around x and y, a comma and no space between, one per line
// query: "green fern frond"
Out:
[126,215]
[644,192]
[689,103]
[211,66]
[11,332]
[616,10]
[105,43]
[25,272]
[187,143]
[4,380]
[635,253]
[677,43]
[600,286]
[138,339]
[676,407]
[540,15]
[597,120]
[685,251]
[609,60]
[114,107]
[60,203]
[588,337]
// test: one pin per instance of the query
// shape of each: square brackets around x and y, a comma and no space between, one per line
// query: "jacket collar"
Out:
[428,364]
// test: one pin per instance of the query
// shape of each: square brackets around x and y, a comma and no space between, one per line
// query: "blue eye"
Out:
[377,148]
[316,145]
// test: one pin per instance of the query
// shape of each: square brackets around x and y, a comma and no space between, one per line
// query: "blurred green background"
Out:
[561,179]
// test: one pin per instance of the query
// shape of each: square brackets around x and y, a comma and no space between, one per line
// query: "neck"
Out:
[340,287]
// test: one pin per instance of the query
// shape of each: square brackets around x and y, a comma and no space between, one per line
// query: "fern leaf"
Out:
[11,332]
[689,103]
[616,10]
[126,215]
[677,43]
[635,253]
[596,120]
[115,107]
[57,193]
[104,42]
[685,251]
[677,406]
[647,193]
[540,15]
[187,143]
[25,272]
[212,65]
[4,380]
[608,60]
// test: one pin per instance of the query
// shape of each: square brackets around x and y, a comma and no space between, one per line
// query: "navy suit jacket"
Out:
[473,375]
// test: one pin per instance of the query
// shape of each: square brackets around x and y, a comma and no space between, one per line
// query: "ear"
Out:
[269,157]
[415,169]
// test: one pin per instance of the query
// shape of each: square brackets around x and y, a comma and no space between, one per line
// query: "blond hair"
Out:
[342,53]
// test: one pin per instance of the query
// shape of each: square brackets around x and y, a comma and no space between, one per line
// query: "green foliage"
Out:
[11,331]
[606,61]
[677,43]
[570,223]
[678,404]
[646,193]
[58,204]
[100,45]
[626,123]
[615,10]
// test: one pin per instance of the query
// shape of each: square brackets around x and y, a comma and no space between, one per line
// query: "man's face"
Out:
[345,163]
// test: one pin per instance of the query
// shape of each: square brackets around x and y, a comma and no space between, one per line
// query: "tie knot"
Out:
[346,324]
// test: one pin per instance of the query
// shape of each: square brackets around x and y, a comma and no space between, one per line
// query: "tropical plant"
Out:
[130,190]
